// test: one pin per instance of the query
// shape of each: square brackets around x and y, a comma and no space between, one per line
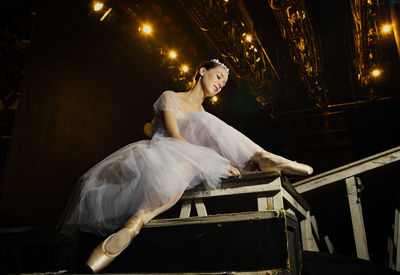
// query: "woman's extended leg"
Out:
[111,247]
[266,160]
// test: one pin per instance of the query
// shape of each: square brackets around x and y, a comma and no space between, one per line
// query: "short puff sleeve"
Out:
[167,101]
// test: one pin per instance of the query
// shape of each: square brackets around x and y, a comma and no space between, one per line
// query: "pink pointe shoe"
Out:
[294,168]
[289,168]
[100,257]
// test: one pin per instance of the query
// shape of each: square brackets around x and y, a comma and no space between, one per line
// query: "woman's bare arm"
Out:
[171,125]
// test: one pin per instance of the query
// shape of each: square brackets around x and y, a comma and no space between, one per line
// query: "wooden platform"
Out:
[248,226]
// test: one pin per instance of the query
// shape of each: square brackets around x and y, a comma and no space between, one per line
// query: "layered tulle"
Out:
[203,128]
[145,175]
[140,177]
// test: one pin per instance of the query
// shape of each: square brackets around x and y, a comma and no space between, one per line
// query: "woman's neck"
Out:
[195,95]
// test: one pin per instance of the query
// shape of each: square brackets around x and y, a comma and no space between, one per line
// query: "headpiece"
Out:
[216,61]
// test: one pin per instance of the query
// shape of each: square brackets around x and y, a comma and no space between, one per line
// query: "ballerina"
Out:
[189,146]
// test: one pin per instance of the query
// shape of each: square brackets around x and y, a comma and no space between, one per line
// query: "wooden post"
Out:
[307,236]
[262,202]
[200,207]
[396,226]
[329,244]
[390,263]
[185,210]
[357,219]
[396,239]
[314,226]
[277,199]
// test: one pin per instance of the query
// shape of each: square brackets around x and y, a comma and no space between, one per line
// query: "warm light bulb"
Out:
[185,68]
[172,54]
[386,28]
[146,29]
[97,6]
[376,72]
[214,98]
[248,38]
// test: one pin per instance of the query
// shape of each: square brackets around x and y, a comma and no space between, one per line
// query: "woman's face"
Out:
[213,80]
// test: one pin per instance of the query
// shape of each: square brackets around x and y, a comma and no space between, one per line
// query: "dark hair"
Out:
[207,65]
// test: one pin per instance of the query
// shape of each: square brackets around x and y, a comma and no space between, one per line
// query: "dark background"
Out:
[75,90]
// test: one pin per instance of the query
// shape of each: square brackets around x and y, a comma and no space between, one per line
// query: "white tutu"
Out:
[205,129]
[144,175]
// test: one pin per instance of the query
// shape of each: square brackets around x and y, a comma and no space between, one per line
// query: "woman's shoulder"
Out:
[174,93]
[168,100]
[168,94]
[171,94]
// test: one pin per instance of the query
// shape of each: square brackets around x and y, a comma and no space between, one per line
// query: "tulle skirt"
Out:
[203,128]
[140,177]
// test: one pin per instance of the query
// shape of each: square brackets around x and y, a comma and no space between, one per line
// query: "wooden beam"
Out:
[390,263]
[348,170]
[230,217]
[357,219]
[315,226]
[307,236]
[294,204]
[397,241]
[200,207]
[269,187]
[262,202]
[277,200]
[329,244]
[186,208]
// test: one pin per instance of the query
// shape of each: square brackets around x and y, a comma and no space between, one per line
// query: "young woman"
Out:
[189,146]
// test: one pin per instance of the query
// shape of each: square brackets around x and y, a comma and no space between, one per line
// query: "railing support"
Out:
[357,219]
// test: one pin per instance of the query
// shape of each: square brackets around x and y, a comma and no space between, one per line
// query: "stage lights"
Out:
[248,37]
[386,28]
[172,54]
[185,68]
[146,29]
[169,56]
[97,6]
[376,72]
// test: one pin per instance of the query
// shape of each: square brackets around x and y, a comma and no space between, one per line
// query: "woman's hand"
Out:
[233,171]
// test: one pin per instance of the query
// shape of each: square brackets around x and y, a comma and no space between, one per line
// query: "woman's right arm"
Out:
[171,125]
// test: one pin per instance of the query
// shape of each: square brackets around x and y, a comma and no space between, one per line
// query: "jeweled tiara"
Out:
[216,61]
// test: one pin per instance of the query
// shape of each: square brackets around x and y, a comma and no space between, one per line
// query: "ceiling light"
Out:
[146,29]
[97,6]
[185,68]
[248,38]
[376,72]
[386,28]
[172,54]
